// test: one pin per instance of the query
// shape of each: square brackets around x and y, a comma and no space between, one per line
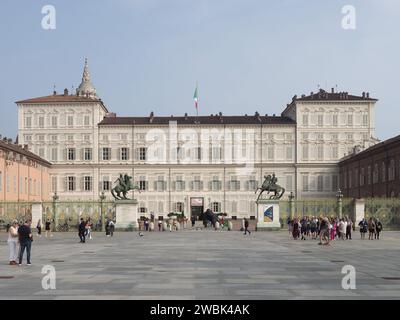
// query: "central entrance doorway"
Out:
[196,207]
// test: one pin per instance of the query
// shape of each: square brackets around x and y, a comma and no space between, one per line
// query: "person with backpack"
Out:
[378,229]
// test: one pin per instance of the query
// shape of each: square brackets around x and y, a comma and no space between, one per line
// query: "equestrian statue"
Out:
[124,185]
[270,185]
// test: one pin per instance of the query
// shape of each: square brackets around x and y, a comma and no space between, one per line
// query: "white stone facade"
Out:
[164,159]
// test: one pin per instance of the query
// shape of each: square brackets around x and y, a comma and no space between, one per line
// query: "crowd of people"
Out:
[327,229]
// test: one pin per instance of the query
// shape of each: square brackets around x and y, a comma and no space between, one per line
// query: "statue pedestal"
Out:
[126,212]
[268,215]
[37,214]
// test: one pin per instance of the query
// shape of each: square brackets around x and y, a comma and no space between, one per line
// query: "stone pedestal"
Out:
[126,215]
[268,215]
[37,214]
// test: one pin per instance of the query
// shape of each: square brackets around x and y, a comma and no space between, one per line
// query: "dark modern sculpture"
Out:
[123,185]
[270,185]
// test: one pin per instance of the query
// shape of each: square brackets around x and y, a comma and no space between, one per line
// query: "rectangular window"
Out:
[41,137]
[216,206]
[41,122]
[179,184]
[53,137]
[289,153]
[54,154]
[350,119]
[54,184]
[335,152]
[365,119]
[28,122]
[124,154]
[54,121]
[71,154]
[305,152]
[70,121]
[106,185]
[41,152]
[70,137]
[305,119]
[289,182]
[320,150]
[305,183]
[86,137]
[335,120]
[335,183]
[87,154]
[270,152]
[320,183]
[106,154]
[142,154]
[142,183]
[71,183]
[179,207]
[86,120]
[320,120]
[87,183]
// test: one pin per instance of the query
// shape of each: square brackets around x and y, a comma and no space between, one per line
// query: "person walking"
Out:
[193,220]
[371,228]
[296,229]
[379,228]
[13,242]
[159,225]
[363,228]
[88,229]
[349,227]
[107,227]
[246,226]
[342,229]
[324,234]
[47,228]
[82,230]
[39,228]
[25,240]
[111,227]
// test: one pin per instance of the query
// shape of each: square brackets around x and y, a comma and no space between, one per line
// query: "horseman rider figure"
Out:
[270,185]
[123,185]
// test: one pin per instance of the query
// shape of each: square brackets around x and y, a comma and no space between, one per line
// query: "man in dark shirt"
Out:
[82,230]
[246,226]
[25,240]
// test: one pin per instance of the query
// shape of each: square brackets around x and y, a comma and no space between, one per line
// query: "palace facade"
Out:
[187,163]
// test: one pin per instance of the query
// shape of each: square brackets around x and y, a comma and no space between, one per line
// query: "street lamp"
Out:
[55,198]
[291,204]
[102,198]
[339,197]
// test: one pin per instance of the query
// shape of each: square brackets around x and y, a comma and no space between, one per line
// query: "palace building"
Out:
[188,163]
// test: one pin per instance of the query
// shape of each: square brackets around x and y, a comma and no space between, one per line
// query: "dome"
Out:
[86,87]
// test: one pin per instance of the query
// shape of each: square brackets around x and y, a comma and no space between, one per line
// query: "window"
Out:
[305,119]
[28,137]
[234,184]
[383,179]
[70,121]
[54,184]
[86,137]
[320,183]
[216,153]
[320,120]
[350,119]
[15,184]
[41,137]
[70,137]
[160,184]
[54,154]
[41,152]
[124,154]
[104,137]
[369,175]
[216,206]
[305,152]
[320,136]
[179,207]
[28,122]
[53,137]
[106,154]
[71,184]
[71,154]
[142,183]
[87,154]
[375,174]
[41,122]
[362,177]
[320,150]
[289,153]
[335,152]
[86,120]
[391,170]
[106,184]
[179,184]
[87,183]
[252,184]
[216,184]
[305,182]
[270,152]
[349,136]
[289,182]
[335,120]
[197,184]
[54,121]
[142,154]
[365,119]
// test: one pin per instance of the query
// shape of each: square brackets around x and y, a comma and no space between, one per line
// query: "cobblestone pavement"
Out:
[203,265]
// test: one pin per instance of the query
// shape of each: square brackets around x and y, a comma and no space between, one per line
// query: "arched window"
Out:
[375,174]
[383,174]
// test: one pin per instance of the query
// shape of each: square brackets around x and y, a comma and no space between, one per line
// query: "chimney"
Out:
[65,92]
[151,116]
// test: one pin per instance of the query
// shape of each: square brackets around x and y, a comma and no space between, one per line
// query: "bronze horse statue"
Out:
[124,185]
[270,185]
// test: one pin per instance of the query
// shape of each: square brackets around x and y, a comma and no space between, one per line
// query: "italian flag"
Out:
[196,97]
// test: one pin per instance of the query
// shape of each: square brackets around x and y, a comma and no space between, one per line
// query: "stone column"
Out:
[126,215]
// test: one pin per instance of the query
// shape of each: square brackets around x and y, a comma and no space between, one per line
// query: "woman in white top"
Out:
[13,242]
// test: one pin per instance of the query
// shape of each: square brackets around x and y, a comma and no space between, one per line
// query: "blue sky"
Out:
[247,55]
